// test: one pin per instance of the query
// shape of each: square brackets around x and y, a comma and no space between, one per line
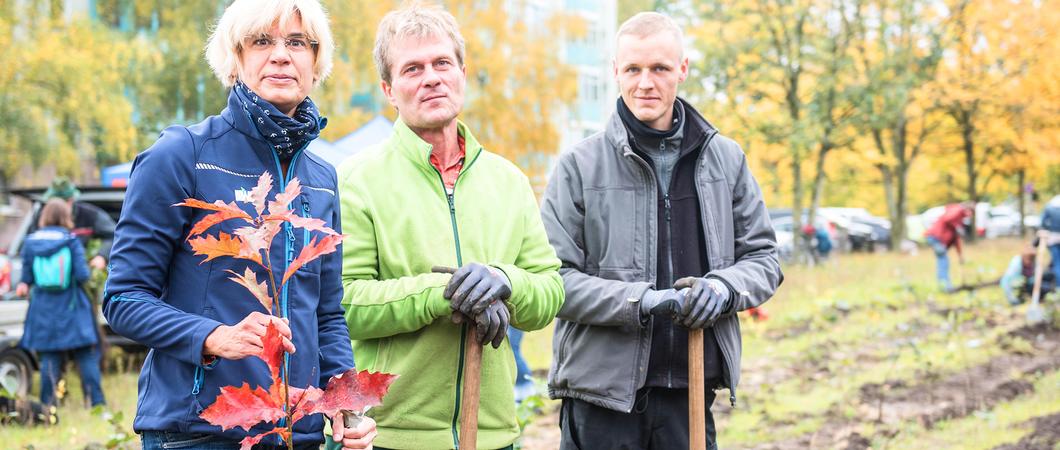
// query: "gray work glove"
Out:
[704,303]
[474,287]
[667,303]
[492,323]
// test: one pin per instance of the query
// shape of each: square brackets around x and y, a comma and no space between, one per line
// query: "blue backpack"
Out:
[53,272]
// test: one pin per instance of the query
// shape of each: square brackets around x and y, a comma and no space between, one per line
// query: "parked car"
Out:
[860,230]
[16,364]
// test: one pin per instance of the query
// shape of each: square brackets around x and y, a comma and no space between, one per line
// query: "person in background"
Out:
[60,317]
[90,222]
[946,233]
[1051,223]
[203,330]
[1018,281]
[524,384]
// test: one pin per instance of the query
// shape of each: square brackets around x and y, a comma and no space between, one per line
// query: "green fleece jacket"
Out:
[399,222]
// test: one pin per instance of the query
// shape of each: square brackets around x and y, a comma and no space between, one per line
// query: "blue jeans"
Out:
[159,440]
[51,367]
[522,370]
[942,266]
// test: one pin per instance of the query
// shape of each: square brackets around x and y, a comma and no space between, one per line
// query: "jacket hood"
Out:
[48,240]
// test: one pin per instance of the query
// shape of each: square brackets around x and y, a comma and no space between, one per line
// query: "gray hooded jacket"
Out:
[599,211]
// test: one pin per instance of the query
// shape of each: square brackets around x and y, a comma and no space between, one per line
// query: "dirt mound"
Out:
[951,396]
[1046,435]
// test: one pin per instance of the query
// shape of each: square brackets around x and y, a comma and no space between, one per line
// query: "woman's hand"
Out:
[245,338]
[355,436]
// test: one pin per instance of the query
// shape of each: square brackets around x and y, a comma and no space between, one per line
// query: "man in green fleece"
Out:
[430,195]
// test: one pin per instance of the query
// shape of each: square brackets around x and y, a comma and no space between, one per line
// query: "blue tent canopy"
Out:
[115,176]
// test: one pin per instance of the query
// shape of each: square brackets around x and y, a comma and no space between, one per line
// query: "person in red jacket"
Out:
[944,234]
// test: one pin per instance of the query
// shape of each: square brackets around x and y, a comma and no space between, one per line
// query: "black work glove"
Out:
[492,323]
[704,302]
[668,303]
[474,287]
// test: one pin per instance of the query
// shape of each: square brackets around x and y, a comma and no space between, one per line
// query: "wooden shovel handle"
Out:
[1039,267]
[697,408]
[472,371]
[469,397]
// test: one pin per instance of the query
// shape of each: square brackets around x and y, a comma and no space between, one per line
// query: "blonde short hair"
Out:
[251,17]
[414,20]
[649,23]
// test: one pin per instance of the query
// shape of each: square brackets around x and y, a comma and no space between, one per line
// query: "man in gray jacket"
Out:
[658,196]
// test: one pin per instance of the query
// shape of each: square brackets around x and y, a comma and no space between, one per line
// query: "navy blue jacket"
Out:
[57,319]
[163,296]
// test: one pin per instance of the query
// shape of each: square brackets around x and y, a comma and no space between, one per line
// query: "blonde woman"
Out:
[200,326]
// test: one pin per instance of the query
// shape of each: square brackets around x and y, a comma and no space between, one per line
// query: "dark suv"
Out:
[16,364]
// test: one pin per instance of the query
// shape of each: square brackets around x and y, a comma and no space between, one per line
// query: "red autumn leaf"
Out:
[242,407]
[218,205]
[272,351]
[260,291]
[213,219]
[248,442]
[283,200]
[261,192]
[352,391]
[314,250]
[296,398]
[223,245]
[311,224]
[259,238]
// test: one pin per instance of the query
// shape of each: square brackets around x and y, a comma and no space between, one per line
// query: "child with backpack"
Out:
[59,318]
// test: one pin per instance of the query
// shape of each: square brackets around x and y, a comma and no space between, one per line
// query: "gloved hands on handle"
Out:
[479,291]
[667,302]
[704,302]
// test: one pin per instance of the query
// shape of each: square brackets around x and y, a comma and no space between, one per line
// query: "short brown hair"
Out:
[414,20]
[649,23]
[56,213]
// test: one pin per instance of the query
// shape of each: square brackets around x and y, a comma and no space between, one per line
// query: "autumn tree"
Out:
[62,81]
[898,46]
[784,67]
[998,87]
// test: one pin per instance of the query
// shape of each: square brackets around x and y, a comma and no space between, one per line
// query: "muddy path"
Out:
[894,403]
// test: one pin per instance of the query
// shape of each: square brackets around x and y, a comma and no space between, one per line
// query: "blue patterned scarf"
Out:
[286,134]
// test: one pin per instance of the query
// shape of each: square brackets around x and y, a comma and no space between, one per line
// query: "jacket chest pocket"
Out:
[612,219]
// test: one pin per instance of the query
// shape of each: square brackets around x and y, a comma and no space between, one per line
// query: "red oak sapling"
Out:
[243,406]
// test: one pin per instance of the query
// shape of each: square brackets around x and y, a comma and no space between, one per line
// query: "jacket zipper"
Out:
[288,244]
[724,350]
[450,197]
[651,251]
[670,269]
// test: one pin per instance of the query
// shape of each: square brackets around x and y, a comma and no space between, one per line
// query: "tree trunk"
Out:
[1020,179]
[967,135]
[818,181]
[798,241]
[4,189]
